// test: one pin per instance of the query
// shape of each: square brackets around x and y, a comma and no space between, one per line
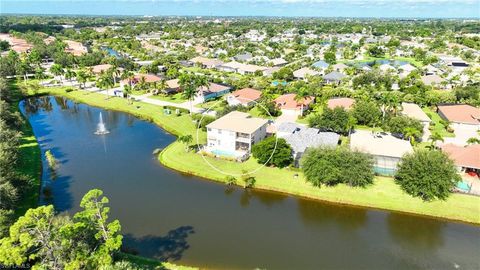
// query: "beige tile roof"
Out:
[238,122]
[414,111]
[383,145]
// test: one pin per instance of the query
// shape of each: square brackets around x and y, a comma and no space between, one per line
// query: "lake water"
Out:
[187,220]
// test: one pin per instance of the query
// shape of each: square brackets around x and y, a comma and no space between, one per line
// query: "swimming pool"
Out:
[223,153]
[463,186]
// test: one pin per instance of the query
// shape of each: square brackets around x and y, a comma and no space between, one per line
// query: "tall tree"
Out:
[190,84]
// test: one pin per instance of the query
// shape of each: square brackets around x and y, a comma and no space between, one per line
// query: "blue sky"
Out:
[306,8]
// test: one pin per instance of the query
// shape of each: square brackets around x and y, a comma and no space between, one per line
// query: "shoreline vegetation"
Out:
[384,194]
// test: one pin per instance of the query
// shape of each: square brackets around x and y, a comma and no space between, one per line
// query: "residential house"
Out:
[340,67]
[172,87]
[148,78]
[414,111]
[245,97]
[290,106]
[433,80]
[16,44]
[301,74]
[343,102]
[278,62]
[466,158]
[386,149]
[243,57]
[206,62]
[460,115]
[212,91]
[234,134]
[240,68]
[75,48]
[333,77]
[320,64]
[98,69]
[301,138]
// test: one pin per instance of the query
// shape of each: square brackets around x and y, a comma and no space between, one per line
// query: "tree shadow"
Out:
[164,248]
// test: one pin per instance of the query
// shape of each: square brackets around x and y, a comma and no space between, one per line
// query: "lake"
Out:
[187,220]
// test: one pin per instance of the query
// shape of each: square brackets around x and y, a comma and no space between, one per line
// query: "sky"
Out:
[283,8]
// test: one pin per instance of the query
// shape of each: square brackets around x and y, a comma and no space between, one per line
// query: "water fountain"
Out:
[101,129]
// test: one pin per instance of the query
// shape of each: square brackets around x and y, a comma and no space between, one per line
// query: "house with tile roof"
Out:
[234,134]
[386,149]
[245,97]
[466,158]
[288,104]
[343,102]
[460,114]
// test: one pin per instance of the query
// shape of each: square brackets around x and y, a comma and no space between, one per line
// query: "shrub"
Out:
[367,112]
[399,125]
[331,166]
[336,120]
[282,153]
[427,174]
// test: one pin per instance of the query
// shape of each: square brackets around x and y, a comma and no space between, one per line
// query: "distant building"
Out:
[235,132]
[301,74]
[75,48]
[334,77]
[245,97]
[206,62]
[432,80]
[386,149]
[301,138]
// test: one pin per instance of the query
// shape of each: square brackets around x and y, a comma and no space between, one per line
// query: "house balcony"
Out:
[243,140]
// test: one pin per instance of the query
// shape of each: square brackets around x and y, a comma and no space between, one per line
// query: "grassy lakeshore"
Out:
[383,194]
[30,162]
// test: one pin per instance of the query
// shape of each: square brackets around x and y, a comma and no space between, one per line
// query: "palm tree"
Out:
[435,137]
[23,68]
[411,134]
[473,140]
[70,74]
[40,73]
[186,139]
[57,70]
[127,91]
[105,81]
[190,84]
[82,77]
[301,95]
[115,73]
[160,86]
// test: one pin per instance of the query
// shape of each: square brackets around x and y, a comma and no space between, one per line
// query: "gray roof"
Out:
[302,137]
[243,57]
[334,76]
[320,64]
[288,127]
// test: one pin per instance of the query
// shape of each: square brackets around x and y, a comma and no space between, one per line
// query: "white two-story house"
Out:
[235,133]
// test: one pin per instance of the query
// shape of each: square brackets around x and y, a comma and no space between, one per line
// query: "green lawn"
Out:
[384,194]
[147,264]
[29,163]
[438,127]
[176,98]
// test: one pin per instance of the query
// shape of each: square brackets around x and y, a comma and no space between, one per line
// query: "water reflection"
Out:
[313,213]
[165,248]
